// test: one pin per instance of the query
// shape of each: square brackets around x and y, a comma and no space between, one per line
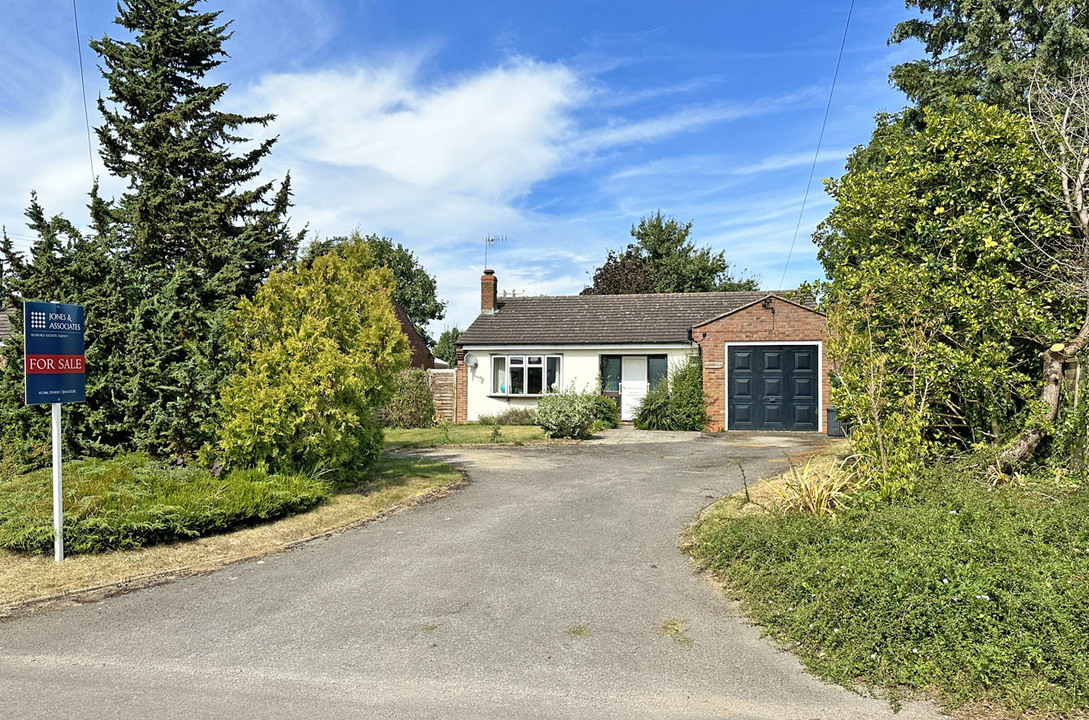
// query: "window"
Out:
[657,370]
[610,374]
[525,374]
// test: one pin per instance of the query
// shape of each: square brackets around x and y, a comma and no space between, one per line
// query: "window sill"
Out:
[503,396]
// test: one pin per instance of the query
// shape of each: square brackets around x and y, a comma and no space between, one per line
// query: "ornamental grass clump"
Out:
[818,489]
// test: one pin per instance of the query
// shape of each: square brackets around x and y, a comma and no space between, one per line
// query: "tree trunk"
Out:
[1055,358]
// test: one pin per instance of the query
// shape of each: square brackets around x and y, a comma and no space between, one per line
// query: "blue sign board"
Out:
[53,353]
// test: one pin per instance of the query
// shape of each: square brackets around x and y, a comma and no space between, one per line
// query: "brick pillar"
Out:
[488,292]
[461,389]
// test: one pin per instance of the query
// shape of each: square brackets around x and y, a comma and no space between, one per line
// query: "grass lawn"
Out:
[461,435]
[977,594]
[392,483]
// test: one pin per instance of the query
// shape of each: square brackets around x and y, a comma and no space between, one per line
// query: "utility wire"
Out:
[820,139]
[83,85]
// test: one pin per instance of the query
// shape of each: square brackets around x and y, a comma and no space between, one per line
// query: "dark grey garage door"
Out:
[772,387]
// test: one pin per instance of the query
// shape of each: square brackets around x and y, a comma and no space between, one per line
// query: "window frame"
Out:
[502,380]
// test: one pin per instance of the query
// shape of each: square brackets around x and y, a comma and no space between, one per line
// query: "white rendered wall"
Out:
[580,368]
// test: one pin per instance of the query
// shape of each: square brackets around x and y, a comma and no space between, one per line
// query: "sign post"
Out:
[55,373]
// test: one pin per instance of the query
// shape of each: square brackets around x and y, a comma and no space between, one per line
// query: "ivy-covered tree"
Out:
[937,318]
[416,291]
[990,49]
[663,260]
[194,231]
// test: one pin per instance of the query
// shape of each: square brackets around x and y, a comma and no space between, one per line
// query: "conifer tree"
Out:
[194,232]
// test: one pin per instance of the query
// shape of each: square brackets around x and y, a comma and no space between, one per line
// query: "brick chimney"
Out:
[488,292]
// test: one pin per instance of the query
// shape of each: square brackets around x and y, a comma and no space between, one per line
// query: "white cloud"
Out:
[490,135]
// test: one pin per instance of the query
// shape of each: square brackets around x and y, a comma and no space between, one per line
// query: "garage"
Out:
[773,387]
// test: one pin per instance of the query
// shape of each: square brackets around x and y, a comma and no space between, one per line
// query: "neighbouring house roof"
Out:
[421,355]
[5,323]
[603,319]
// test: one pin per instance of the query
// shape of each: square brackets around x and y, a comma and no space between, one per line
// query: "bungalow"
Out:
[764,363]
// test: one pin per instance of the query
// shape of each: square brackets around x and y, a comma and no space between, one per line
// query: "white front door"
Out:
[633,385]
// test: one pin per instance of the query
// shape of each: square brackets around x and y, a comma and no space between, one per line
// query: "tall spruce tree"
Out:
[194,231]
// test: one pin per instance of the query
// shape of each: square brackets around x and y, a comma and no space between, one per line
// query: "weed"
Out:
[430,628]
[580,630]
[676,629]
[496,435]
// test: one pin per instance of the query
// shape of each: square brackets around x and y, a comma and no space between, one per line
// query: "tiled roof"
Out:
[602,319]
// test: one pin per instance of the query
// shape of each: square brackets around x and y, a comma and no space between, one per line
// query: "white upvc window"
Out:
[526,374]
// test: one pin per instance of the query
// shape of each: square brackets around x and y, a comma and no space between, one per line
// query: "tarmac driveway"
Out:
[539,591]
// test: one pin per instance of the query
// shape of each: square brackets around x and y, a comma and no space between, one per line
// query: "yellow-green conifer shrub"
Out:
[316,350]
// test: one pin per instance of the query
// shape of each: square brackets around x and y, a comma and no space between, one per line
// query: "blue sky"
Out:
[555,124]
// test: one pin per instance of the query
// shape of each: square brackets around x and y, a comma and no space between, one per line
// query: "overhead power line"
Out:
[83,86]
[820,139]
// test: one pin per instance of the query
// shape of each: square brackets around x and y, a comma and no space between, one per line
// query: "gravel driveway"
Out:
[551,587]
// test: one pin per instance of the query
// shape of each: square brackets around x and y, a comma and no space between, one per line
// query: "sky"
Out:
[554,125]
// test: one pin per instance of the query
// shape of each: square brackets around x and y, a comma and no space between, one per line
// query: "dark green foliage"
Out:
[446,347]
[678,404]
[990,49]
[606,411]
[412,404]
[569,414]
[132,502]
[664,260]
[510,416]
[195,231]
[416,289]
[975,591]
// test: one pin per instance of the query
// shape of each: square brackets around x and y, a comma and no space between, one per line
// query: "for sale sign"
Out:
[53,353]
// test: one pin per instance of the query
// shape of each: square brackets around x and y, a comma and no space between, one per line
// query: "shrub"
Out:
[974,591]
[412,404]
[316,351]
[510,416]
[568,414]
[606,412]
[677,404]
[132,502]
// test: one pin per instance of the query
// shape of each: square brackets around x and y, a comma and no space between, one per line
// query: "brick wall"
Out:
[461,389]
[757,324]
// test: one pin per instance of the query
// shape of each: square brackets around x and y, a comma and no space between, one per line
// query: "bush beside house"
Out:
[678,404]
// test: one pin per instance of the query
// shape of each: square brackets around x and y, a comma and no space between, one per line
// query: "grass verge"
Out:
[461,435]
[979,594]
[393,483]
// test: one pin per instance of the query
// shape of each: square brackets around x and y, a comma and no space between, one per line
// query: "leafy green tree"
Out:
[416,290]
[663,260]
[316,351]
[446,347]
[989,49]
[937,316]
